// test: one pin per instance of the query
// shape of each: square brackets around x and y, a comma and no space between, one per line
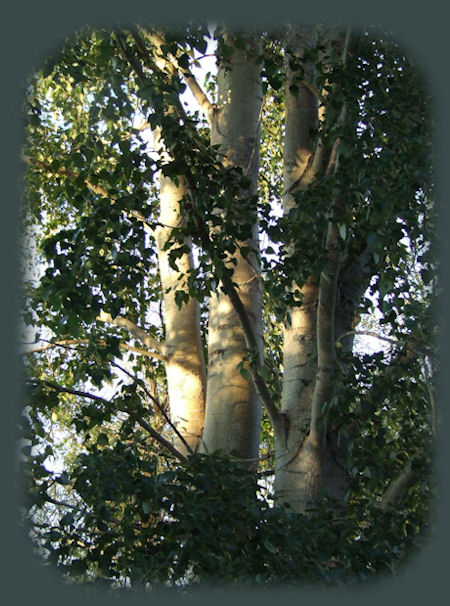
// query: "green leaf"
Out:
[64,478]
[146,507]
[67,519]
[268,545]
[244,373]
[184,61]
[342,231]
[103,439]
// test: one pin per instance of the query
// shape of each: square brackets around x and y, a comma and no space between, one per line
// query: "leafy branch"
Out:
[200,96]
[208,246]
[84,394]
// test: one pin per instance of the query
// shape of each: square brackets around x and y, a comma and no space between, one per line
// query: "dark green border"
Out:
[32,31]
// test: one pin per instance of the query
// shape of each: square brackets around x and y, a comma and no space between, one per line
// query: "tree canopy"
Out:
[145,215]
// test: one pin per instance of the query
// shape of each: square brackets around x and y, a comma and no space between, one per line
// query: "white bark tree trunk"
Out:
[185,368]
[185,365]
[303,462]
[297,459]
[233,409]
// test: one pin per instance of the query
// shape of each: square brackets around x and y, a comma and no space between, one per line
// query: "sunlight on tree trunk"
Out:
[197,409]
[232,405]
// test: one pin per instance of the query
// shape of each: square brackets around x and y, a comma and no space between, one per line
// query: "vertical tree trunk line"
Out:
[231,419]
[306,462]
[233,408]
[185,368]
[297,470]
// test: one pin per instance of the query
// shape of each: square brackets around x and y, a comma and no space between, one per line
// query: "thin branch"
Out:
[148,226]
[156,403]
[136,331]
[75,392]
[199,94]
[50,345]
[136,66]
[176,106]
[272,188]
[96,189]
[368,333]
[60,503]
[326,342]
[433,407]
[326,356]
[84,394]
[66,343]
[264,473]
[65,172]
[399,485]
[159,438]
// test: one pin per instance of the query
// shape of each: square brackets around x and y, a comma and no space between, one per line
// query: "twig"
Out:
[67,342]
[136,331]
[84,394]
[155,402]
[198,93]
[400,484]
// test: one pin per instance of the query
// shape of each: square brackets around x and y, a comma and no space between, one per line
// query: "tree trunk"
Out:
[307,461]
[233,409]
[185,367]
[296,475]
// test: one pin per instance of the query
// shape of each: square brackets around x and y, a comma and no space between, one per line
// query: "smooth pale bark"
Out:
[304,462]
[185,366]
[233,409]
[400,484]
[297,460]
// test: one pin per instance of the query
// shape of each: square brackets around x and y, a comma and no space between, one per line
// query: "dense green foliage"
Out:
[104,500]
[202,523]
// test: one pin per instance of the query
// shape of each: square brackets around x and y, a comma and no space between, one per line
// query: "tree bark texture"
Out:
[305,461]
[233,409]
[185,368]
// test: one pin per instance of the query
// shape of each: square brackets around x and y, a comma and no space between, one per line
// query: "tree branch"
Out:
[67,342]
[369,333]
[50,499]
[326,343]
[96,189]
[84,394]
[135,65]
[75,392]
[159,438]
[137,332]
[199,95]
[399,485]
[156,403]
